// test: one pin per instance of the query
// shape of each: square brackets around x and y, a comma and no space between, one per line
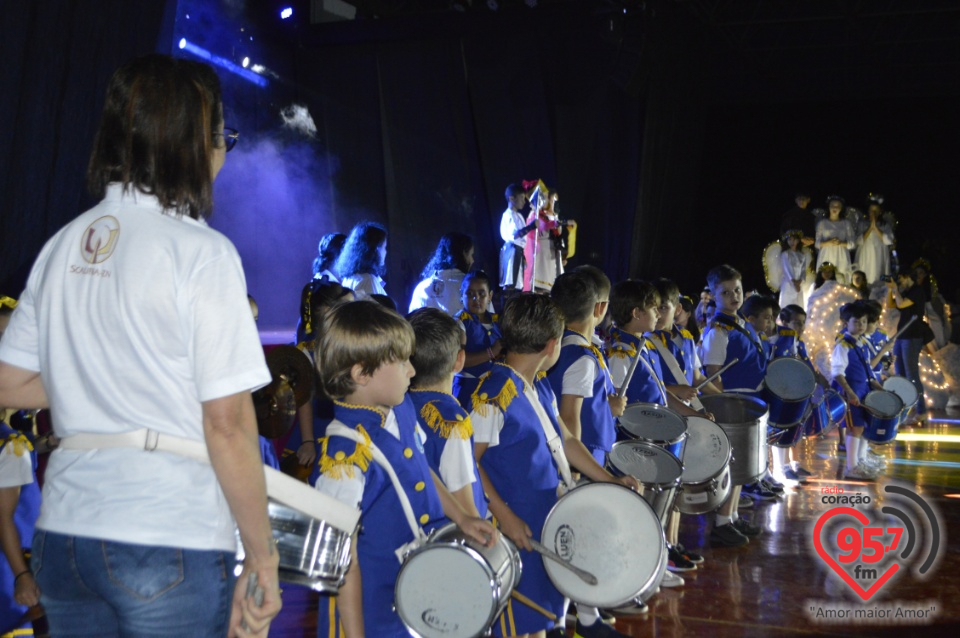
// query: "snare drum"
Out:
[612,533]
[453,587]
[657,470]
[313,552]
[705,482]
[903,388]
[882,411]
[656,424]
[785,437]
[787,387]
[827,409]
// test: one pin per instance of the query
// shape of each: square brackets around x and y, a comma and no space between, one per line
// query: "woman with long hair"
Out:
[836,237]
[362,262]
[440,280]
[135,330]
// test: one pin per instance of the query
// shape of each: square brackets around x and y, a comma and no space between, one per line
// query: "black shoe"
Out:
[693,557]
[757,491]
[745,528]
[597,630]
[727,536]
[678,562]
[804,473]
[771,485]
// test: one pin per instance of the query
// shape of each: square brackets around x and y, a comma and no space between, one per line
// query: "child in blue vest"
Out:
[729,336]
[513,410]
[364,363]
[483,334]
[449,448]
[879,343]
[853,374]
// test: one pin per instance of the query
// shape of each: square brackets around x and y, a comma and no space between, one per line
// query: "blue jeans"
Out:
[907,352]
[102,588]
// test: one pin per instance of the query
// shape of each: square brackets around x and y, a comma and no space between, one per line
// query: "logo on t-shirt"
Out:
[99,240]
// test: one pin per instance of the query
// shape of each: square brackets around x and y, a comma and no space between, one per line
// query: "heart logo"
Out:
[829,560]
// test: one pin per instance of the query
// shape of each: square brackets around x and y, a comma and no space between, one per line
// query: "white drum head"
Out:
[653,422]
[707,451]
[646,462]
[445,590]
[884,403]
[903,388]
[612,533]
[790,379]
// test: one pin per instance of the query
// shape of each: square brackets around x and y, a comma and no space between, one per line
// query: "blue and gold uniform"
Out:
[876,340]
[25,515]
[647,383]
[685,350]
[857,372]
[743,343]
[443,418]
[524,474]
[384,527]
[480,337]
[597,428]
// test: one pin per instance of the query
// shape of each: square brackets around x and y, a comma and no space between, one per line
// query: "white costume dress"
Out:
[545,266]
[873,252]
[440,291]
[363,285]
[839,256]
[793,265]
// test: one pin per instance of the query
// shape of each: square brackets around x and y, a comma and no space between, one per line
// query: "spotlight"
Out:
[286,12]
[183,42]
[246,62]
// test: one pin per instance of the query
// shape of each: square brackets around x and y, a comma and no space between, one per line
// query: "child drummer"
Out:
[364,363]
[513,410]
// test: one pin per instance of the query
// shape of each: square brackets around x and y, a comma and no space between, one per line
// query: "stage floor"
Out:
[769,587]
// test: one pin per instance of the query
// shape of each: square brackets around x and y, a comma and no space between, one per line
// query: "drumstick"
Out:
[717,374]
[626,380]
[586,576]
[904,328]
[532,605]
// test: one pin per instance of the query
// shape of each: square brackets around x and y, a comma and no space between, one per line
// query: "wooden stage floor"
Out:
[768,587]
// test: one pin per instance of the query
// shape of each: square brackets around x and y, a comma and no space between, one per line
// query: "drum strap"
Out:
[419,536]
[675,370]
[554,442]
[280,487]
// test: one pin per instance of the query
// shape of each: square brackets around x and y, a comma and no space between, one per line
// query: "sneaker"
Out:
[841,445]
[804,473]
[859,473]
[597,630]
[791,475]
[634,609]
[727,536]
[607,617]
[678,562]
[745,502]
[772,485]
[757,491]
[671,580]
[746,528]
[693,557]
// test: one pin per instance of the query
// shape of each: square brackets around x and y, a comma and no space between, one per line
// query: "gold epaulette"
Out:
[621,350]
[459,427]
[541,375]
[19,443]
[340,465]
[502,397]
[786,332]
[465,316]
[686,334]
[717,324]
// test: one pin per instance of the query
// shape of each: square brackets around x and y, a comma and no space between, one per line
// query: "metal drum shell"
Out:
[659,488]
[642,421]
[312,552]
[785,412]
[827,409]
[498,567]
[882,411]
[785,437]
[744,420]
[702,492]
[903,388]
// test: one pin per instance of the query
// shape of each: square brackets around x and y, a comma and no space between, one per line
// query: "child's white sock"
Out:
[724,520]
[586,616]
[853,451]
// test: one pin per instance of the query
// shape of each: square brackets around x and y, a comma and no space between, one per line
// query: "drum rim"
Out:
[790,361]
[678,419]
[670,456]
[727,459]
[875,412]
[663,549]
[907,383]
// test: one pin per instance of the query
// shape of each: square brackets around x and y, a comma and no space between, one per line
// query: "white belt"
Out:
[280,487]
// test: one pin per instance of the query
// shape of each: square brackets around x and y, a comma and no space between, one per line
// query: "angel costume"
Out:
[873,252]
[839,256]
[793,266]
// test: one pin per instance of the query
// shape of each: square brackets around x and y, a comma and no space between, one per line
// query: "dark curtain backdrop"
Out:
[57,58]
[420,129]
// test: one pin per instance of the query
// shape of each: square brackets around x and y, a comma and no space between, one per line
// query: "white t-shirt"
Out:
[133,318]
[579,377]
[364,285]
[440,291]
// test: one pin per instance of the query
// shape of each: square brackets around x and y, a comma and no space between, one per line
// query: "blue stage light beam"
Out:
[223,63]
